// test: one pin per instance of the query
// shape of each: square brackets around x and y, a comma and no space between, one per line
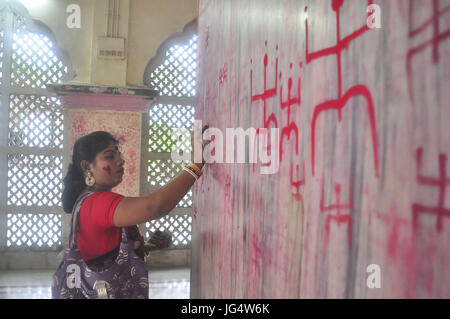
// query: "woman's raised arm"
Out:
[137,210]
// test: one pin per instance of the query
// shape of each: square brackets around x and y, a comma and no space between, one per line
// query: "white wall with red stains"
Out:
[364,174]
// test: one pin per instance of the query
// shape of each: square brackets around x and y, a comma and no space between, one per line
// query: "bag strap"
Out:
[75,222]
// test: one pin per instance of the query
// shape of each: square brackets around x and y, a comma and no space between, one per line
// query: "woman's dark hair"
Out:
[85,148]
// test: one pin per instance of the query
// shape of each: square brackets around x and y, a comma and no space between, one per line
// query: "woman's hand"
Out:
[137,210]
[198,142]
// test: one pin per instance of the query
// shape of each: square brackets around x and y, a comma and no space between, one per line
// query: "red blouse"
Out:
[97,234]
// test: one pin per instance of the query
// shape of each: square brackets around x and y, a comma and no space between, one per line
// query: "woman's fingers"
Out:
[199,139]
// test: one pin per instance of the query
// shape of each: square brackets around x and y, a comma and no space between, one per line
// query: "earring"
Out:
[90,180]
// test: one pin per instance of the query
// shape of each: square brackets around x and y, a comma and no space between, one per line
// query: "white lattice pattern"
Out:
[163,119]
[33,138]
[160,172]
[19,24]
[28,230]
[35,121]
[169,124]
[34,62]
[34,180]
[176,75]
[179,225]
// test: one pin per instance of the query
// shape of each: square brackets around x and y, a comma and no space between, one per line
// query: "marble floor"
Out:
[35,284]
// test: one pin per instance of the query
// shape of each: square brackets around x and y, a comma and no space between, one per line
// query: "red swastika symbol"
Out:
[299,182]
[357,90]
[436,39]
[339,207]
[267,92]
[291,126]
[442,182]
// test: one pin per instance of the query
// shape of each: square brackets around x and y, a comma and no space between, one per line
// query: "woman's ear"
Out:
[85,166]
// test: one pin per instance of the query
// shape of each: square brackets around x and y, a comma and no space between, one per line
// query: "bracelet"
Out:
[196,169]
[190,172]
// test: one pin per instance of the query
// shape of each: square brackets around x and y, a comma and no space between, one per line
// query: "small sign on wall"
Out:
[111,48]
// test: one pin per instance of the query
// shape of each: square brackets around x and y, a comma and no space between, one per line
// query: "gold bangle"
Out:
[196,169]
[190,172]
[193,169]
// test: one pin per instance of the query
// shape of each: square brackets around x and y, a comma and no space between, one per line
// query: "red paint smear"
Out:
[338,218]
[393,241]
[79,126]
[223,74]
[227,187]
[394,223]
[257,253]
[437,38]
[107,169]
[341,101]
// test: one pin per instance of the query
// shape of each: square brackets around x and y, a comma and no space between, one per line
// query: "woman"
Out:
[101,215]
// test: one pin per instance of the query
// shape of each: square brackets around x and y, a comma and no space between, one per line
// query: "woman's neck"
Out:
[98,188]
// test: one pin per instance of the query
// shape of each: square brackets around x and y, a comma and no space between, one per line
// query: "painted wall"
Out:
[364,146]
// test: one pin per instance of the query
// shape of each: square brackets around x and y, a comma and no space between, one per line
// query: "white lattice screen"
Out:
[163,119]
[30,230]
[179,225]
[32,125]
[175,76]
[173,73]
[35,121]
